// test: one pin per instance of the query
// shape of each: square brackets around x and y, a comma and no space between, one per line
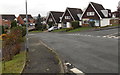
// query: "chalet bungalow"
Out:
[115,17]
[6,19]
[71,14]
[97,13]
[22,19]
[53,18]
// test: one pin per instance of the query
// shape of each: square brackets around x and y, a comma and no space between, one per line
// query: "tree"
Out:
[13,24]
[38,25]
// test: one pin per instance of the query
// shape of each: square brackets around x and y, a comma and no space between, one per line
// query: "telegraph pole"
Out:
[27,47]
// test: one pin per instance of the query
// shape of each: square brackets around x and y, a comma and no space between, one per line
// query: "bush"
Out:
[13,24]
[44,27]
[68,29]
[92,23]
[12,43]
[75,24]
[50,24]
[2,31]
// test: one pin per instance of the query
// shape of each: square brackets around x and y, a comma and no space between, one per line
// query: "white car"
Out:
[52,28]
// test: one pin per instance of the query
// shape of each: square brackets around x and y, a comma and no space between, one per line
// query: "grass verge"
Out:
[60,30]
[16,65]
[80,29]
[36,31]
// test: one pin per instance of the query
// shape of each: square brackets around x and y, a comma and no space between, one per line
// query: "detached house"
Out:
[6,19]
[22,19]
[54,18]
[115,17]
[97,13]
[71,14]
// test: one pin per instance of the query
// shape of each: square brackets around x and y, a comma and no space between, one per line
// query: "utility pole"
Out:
[27,47]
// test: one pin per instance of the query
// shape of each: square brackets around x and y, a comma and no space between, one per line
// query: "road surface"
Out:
[87,51]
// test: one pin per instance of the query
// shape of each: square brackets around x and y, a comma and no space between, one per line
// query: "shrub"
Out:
[50,24]
[68,29]
[75,24]
[12,43]
[2,31]
[44,27]
[92,23]
[13,24]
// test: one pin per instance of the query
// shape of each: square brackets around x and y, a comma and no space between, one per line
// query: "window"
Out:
[67,17]
[50,20]
[86,22]
[90,13]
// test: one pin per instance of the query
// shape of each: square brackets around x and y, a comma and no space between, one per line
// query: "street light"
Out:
[27,48]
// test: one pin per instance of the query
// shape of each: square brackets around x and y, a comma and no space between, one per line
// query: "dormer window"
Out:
[67,17]
[90,13]
[79,15]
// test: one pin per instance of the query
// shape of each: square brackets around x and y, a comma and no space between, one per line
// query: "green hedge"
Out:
[75,24]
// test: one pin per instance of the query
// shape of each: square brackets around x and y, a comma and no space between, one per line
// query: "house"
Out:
[54,18]
[71,14]
[115,20]
[21,19]
[115,17]
[97,13]
[6,19]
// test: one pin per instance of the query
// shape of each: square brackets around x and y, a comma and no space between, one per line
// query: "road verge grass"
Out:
[80,29]
[16,65]
[36,31]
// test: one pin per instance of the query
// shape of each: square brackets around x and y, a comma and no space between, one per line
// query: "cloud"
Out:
[43,6]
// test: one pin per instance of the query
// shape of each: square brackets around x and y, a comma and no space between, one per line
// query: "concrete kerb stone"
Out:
[24,65]
[62,70]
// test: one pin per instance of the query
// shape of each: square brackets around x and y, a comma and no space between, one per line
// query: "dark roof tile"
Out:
[74,12]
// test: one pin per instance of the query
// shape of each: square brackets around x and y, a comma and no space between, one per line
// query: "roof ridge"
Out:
[73,8]
[96,3]
[57,11]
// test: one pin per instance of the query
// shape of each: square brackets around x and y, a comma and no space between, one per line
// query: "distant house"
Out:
[97,13]
[115,17]
[6,19]
[71,14]
[53,18]
[22,19]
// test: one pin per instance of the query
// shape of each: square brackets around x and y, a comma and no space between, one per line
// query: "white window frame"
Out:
[67,17]
[50,19]
[90,13]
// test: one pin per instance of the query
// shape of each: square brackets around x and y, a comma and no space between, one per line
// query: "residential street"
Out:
[91,52]
[40,59]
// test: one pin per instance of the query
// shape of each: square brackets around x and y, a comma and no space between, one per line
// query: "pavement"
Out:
[88,54]
[41,60]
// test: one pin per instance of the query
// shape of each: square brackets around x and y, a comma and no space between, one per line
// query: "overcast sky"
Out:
[43,6]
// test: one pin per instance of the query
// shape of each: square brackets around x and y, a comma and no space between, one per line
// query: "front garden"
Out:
[13,57]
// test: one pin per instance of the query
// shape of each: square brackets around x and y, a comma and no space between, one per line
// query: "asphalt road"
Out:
[89,54]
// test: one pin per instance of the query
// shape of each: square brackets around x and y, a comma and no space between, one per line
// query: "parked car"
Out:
[52,28]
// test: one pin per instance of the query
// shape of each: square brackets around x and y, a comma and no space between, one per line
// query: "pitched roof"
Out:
[8,17]
[98,8]
[56,15]
[74,12]
[116,13]
[24,16]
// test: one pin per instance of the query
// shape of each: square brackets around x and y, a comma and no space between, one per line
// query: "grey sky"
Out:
[43,6]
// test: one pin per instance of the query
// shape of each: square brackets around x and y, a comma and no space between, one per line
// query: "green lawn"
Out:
[80,29]
[60,30]
[16,65]
[36,31]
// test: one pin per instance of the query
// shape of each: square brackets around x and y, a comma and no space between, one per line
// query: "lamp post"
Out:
[27,48]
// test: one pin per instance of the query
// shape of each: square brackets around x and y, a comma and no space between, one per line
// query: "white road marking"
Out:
[75,70]
[107,36]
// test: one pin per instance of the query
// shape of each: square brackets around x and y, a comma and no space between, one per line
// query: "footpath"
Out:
[41,60]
